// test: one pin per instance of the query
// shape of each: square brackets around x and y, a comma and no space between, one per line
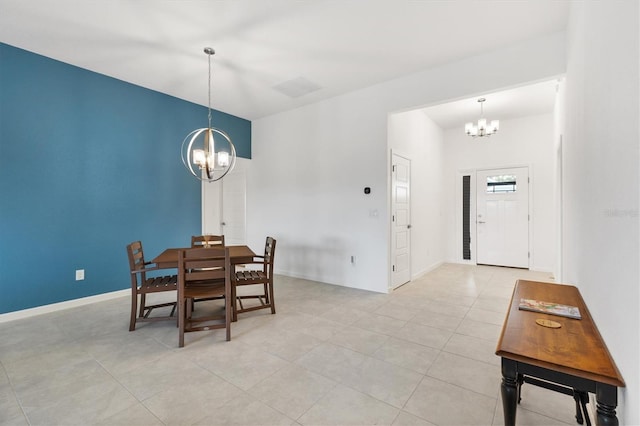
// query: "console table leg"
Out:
[607,400]
[509,390]
[579,417]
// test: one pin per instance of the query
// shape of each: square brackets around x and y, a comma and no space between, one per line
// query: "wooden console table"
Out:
[573,356]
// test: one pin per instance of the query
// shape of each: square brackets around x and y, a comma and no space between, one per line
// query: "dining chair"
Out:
[203,273]
[141,285]
[207,241]
[261,277]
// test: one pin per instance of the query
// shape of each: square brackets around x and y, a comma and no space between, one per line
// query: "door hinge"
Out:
[393,268]
[529,255]
[393,218]
[393,168]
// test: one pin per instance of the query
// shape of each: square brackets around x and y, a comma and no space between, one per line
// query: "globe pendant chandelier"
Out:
[208,153]
[482,129]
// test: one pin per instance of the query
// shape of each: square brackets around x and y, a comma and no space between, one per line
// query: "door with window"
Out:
[502,224]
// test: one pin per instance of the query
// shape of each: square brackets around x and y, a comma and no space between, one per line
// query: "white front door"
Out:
[502,224]
[400,221]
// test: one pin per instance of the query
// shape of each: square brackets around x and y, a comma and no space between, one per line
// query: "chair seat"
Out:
[198,290]
[156,284]
[244,276]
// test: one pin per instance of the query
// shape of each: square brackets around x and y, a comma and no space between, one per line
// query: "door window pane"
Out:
[501,183]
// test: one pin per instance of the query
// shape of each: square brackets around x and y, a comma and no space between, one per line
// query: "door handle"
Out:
[408,226]
[481,221]
[222,223]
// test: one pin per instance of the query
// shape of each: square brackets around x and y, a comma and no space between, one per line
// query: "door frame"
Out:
[473,200]
[393,154]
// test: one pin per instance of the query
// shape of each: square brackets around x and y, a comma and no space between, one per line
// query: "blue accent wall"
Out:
[88,164]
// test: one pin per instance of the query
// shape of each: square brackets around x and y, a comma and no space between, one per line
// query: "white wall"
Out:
[526,141]
[601,164]
[415,136]
[310,165]
[306,189]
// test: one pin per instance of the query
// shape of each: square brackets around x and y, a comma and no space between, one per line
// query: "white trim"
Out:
[55,307]
[427,270]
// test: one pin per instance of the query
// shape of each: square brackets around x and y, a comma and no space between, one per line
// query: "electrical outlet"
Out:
[79,274]
[353,260]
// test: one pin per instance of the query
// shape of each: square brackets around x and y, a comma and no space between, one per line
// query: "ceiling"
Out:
[272,55]
[532,99]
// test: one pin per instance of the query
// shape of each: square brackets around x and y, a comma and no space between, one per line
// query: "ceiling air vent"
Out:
[296,87]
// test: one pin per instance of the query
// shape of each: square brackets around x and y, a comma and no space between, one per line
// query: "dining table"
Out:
[238,254]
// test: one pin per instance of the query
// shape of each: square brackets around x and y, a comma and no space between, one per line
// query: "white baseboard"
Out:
[427,270]
[291,274]
[54,307]
[316,279]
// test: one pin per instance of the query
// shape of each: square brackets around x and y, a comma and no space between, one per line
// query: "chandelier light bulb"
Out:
[223,159]
[199,158]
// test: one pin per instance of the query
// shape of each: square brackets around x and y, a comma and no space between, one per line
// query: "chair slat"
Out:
[207,241]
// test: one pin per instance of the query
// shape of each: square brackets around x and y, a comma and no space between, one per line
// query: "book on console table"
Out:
[550,308]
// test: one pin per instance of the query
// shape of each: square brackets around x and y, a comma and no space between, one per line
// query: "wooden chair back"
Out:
[269,253]
[136,258]
[203,273]
[207,241]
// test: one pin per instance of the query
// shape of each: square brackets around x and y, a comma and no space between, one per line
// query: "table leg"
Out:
[607,400]
[509,390]
[576,398]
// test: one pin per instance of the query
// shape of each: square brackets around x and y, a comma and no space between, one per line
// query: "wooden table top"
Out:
[576,348]
[169,257]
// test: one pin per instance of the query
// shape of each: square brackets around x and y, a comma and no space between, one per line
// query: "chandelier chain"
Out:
[209,101]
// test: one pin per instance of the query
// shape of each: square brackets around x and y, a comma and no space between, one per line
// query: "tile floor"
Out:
[423,355]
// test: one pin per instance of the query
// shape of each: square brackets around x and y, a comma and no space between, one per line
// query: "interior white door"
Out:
[400,220]
[234,195]
[502,225]
[224,205]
